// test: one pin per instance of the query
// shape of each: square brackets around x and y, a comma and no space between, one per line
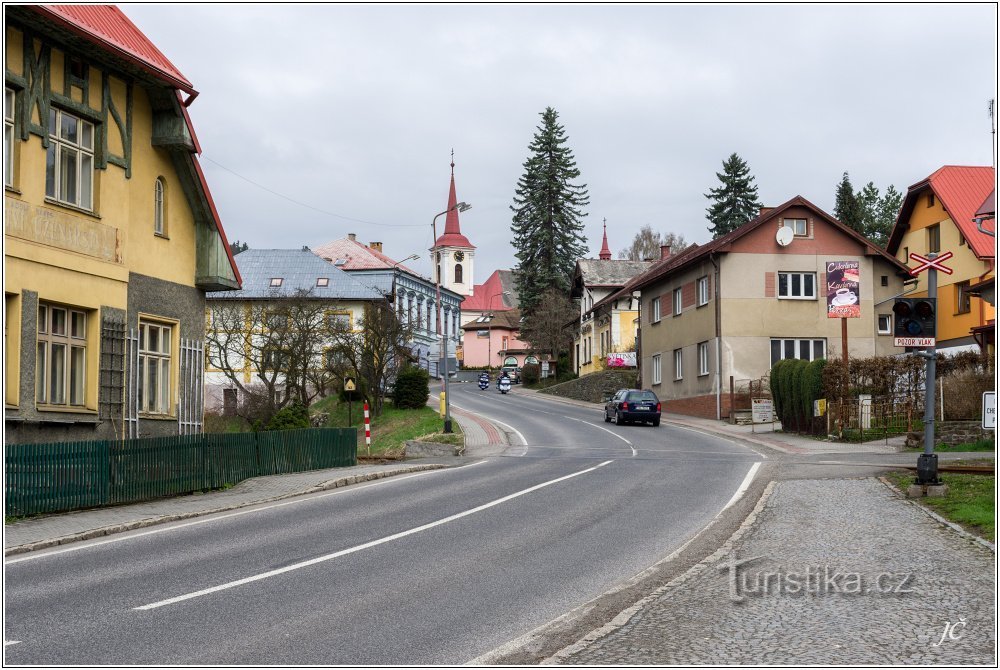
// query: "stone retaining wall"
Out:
[951,433]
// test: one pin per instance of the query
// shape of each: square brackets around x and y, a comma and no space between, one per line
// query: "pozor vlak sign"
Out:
[843,289]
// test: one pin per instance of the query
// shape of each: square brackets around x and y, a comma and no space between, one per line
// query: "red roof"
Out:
[487,296]
[453,236]
[961,190]
[109,27]
[356,256]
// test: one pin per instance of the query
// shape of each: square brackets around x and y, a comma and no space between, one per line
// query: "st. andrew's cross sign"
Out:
[931,263]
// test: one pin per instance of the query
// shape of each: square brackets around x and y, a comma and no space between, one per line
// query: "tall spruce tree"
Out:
[847,209]
[735,202]
[547,225]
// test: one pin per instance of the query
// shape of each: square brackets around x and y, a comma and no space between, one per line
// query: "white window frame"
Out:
[702,359]
[63,153]
[678,364]
[888,324]
[678,301]
[802,283]
[654,307]
[794,225]
[702,291]
[159,220]
[61,356]
[9,100]
[657,369]
[155,367]
[796,343]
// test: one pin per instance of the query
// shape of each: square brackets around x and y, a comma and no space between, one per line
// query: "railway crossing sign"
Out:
[929,263]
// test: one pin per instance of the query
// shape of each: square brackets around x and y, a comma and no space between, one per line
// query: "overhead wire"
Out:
[308,206]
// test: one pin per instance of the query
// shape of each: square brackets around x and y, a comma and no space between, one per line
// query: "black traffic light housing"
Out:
[915,317]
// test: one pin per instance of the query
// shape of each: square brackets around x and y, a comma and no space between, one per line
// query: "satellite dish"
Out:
[784,236]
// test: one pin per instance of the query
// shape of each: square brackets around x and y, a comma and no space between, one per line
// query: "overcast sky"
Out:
[351,112]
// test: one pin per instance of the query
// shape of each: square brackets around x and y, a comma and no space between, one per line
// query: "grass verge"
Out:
[970,501]
[980,445]
[391,429]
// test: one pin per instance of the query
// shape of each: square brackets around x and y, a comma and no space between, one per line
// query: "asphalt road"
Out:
[432,568]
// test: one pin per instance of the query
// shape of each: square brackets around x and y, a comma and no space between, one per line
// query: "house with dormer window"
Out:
[111,236]
[605,326]
[781,286]
[939,214]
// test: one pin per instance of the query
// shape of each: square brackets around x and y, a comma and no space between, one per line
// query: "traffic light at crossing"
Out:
[915,317]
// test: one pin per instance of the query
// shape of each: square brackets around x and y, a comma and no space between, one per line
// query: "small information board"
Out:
[990,410]
[913,342]
[762,410]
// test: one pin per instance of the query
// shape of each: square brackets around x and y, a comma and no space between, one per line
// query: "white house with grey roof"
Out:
[274,275]
[414,295]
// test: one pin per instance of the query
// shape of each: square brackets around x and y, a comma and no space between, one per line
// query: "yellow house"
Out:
[604,326]
[111,238]
[938,215]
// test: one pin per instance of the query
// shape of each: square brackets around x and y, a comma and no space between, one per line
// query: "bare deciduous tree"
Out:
[376,350]
[646,245]
[274,351]
[549,329]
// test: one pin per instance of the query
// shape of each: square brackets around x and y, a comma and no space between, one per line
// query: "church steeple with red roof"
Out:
[605,254]
[453,253]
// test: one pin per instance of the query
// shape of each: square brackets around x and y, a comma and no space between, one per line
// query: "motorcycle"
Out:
[503,384]
[484,382]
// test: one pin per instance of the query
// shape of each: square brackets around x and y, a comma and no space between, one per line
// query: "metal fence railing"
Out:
[58,477]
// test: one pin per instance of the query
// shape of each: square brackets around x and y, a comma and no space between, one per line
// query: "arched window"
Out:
[158,218]
[458,274]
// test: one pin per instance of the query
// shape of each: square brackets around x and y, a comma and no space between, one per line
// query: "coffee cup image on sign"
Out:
[845,296]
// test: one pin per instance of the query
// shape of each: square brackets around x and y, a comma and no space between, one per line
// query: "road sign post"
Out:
[927,471]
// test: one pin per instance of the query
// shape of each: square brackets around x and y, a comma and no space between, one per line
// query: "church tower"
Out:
[453,255]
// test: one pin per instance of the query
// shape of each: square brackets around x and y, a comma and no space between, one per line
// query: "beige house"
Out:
[735,306]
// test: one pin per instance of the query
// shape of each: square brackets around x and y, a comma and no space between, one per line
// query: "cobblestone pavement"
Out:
[808,532]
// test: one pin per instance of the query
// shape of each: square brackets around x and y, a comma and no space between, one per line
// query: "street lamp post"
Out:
[462,207]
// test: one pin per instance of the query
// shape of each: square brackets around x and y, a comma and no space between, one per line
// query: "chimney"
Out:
[377,246]
[352,237]
[664,251]
[765,210]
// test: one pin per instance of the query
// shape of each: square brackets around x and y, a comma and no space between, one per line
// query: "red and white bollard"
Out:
[368,431]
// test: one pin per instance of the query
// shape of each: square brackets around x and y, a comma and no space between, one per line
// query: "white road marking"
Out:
[488,418]
[367,545]
[229,515]
[742,489]
[716,435]
[7,643]
[634,452]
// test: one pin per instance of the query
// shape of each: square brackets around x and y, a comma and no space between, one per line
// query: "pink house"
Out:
[491,339]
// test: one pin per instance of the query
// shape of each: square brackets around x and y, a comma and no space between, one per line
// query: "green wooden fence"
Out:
[64,476]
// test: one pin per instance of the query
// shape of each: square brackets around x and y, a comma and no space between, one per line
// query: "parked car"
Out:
[629,405]
[513,372]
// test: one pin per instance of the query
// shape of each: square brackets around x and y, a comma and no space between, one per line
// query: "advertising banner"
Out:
[843,289]
[621,360]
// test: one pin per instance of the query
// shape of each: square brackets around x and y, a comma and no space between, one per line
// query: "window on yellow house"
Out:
[933,238]
[158,217]
[154,367]
[69,162]
[962,297]
[61,356]
[8,136]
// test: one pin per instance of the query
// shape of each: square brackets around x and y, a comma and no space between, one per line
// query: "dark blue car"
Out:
[628,405]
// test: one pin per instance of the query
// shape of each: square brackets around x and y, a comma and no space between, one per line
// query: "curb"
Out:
[155,521]
[940,519]
[626,615]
